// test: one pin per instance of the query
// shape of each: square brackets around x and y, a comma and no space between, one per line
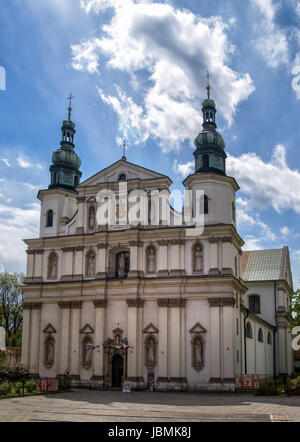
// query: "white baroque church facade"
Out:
[155,301]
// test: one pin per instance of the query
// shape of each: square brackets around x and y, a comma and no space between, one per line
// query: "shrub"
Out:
[30,386]
[293,386]
[267,388]
[18,387]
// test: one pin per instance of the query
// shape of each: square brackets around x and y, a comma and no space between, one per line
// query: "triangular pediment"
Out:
[87,329]
[112,173]
[198,329]
[150,329]
[49,329]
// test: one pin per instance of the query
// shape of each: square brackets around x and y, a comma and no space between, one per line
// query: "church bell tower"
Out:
[65,173]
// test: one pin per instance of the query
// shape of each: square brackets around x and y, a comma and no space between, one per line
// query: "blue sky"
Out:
[137,70]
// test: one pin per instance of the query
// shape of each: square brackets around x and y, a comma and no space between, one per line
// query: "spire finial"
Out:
[70,105]
[208,86]
[124,145]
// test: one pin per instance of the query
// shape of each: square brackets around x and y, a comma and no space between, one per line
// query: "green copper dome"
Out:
[207,138]
[210,156]
[66,157]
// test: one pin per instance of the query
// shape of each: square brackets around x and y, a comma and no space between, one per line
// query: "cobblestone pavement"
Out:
[115,406]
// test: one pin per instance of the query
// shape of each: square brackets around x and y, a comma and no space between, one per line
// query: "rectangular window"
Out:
[254,304]
[237,326]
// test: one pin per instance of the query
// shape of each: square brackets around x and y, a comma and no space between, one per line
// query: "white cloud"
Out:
[5,161]
[253,222]
[15,225]
[23,163]
[272,41]
[285,231]
[184,169]
[170,46]
[267,184]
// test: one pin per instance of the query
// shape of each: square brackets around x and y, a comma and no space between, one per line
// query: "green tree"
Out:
[294,309]
[11,310]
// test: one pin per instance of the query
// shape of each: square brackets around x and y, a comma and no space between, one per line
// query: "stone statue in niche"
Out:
[151,352]
[49,352]
[151,260]
[91,264]
[121,265]
[198,259]
[52,272]
[198,353]
[92,217]
[87,353]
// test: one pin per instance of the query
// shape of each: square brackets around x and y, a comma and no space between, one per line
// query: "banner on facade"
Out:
[247,382]
[43,385]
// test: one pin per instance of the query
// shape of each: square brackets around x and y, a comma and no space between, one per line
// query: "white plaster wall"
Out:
[116,313]
[267,306]
[220,195]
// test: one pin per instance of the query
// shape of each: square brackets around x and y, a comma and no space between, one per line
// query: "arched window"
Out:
[205,204]
[52,265]
[260,335]
[269,339]
[122,177]
[254,303]
[49,222]
[249,333]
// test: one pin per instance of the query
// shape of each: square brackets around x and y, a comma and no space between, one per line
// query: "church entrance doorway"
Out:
[117,371]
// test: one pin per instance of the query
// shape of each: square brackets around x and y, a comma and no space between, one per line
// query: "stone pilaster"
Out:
[134,339]
[67,272]
[101,260]
[227,256]
[134,254]
[75,351]
[80,215]
[78,265]
[64,336]
[163,258]
[213,257]
[175,258]
[162,381]
[100,310]
[34,347]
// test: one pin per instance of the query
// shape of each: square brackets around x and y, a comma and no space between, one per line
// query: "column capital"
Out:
[81,199]
[68,249]
[79,248]
[70,304]
[218,302]
[102,245]
[226,239]
[39,252]
[213,240]
[100,303]
[32,305]
[30,252]
[177,302]
[163,302]
[175,242]
[135,302]
[163,242]
[136,243]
